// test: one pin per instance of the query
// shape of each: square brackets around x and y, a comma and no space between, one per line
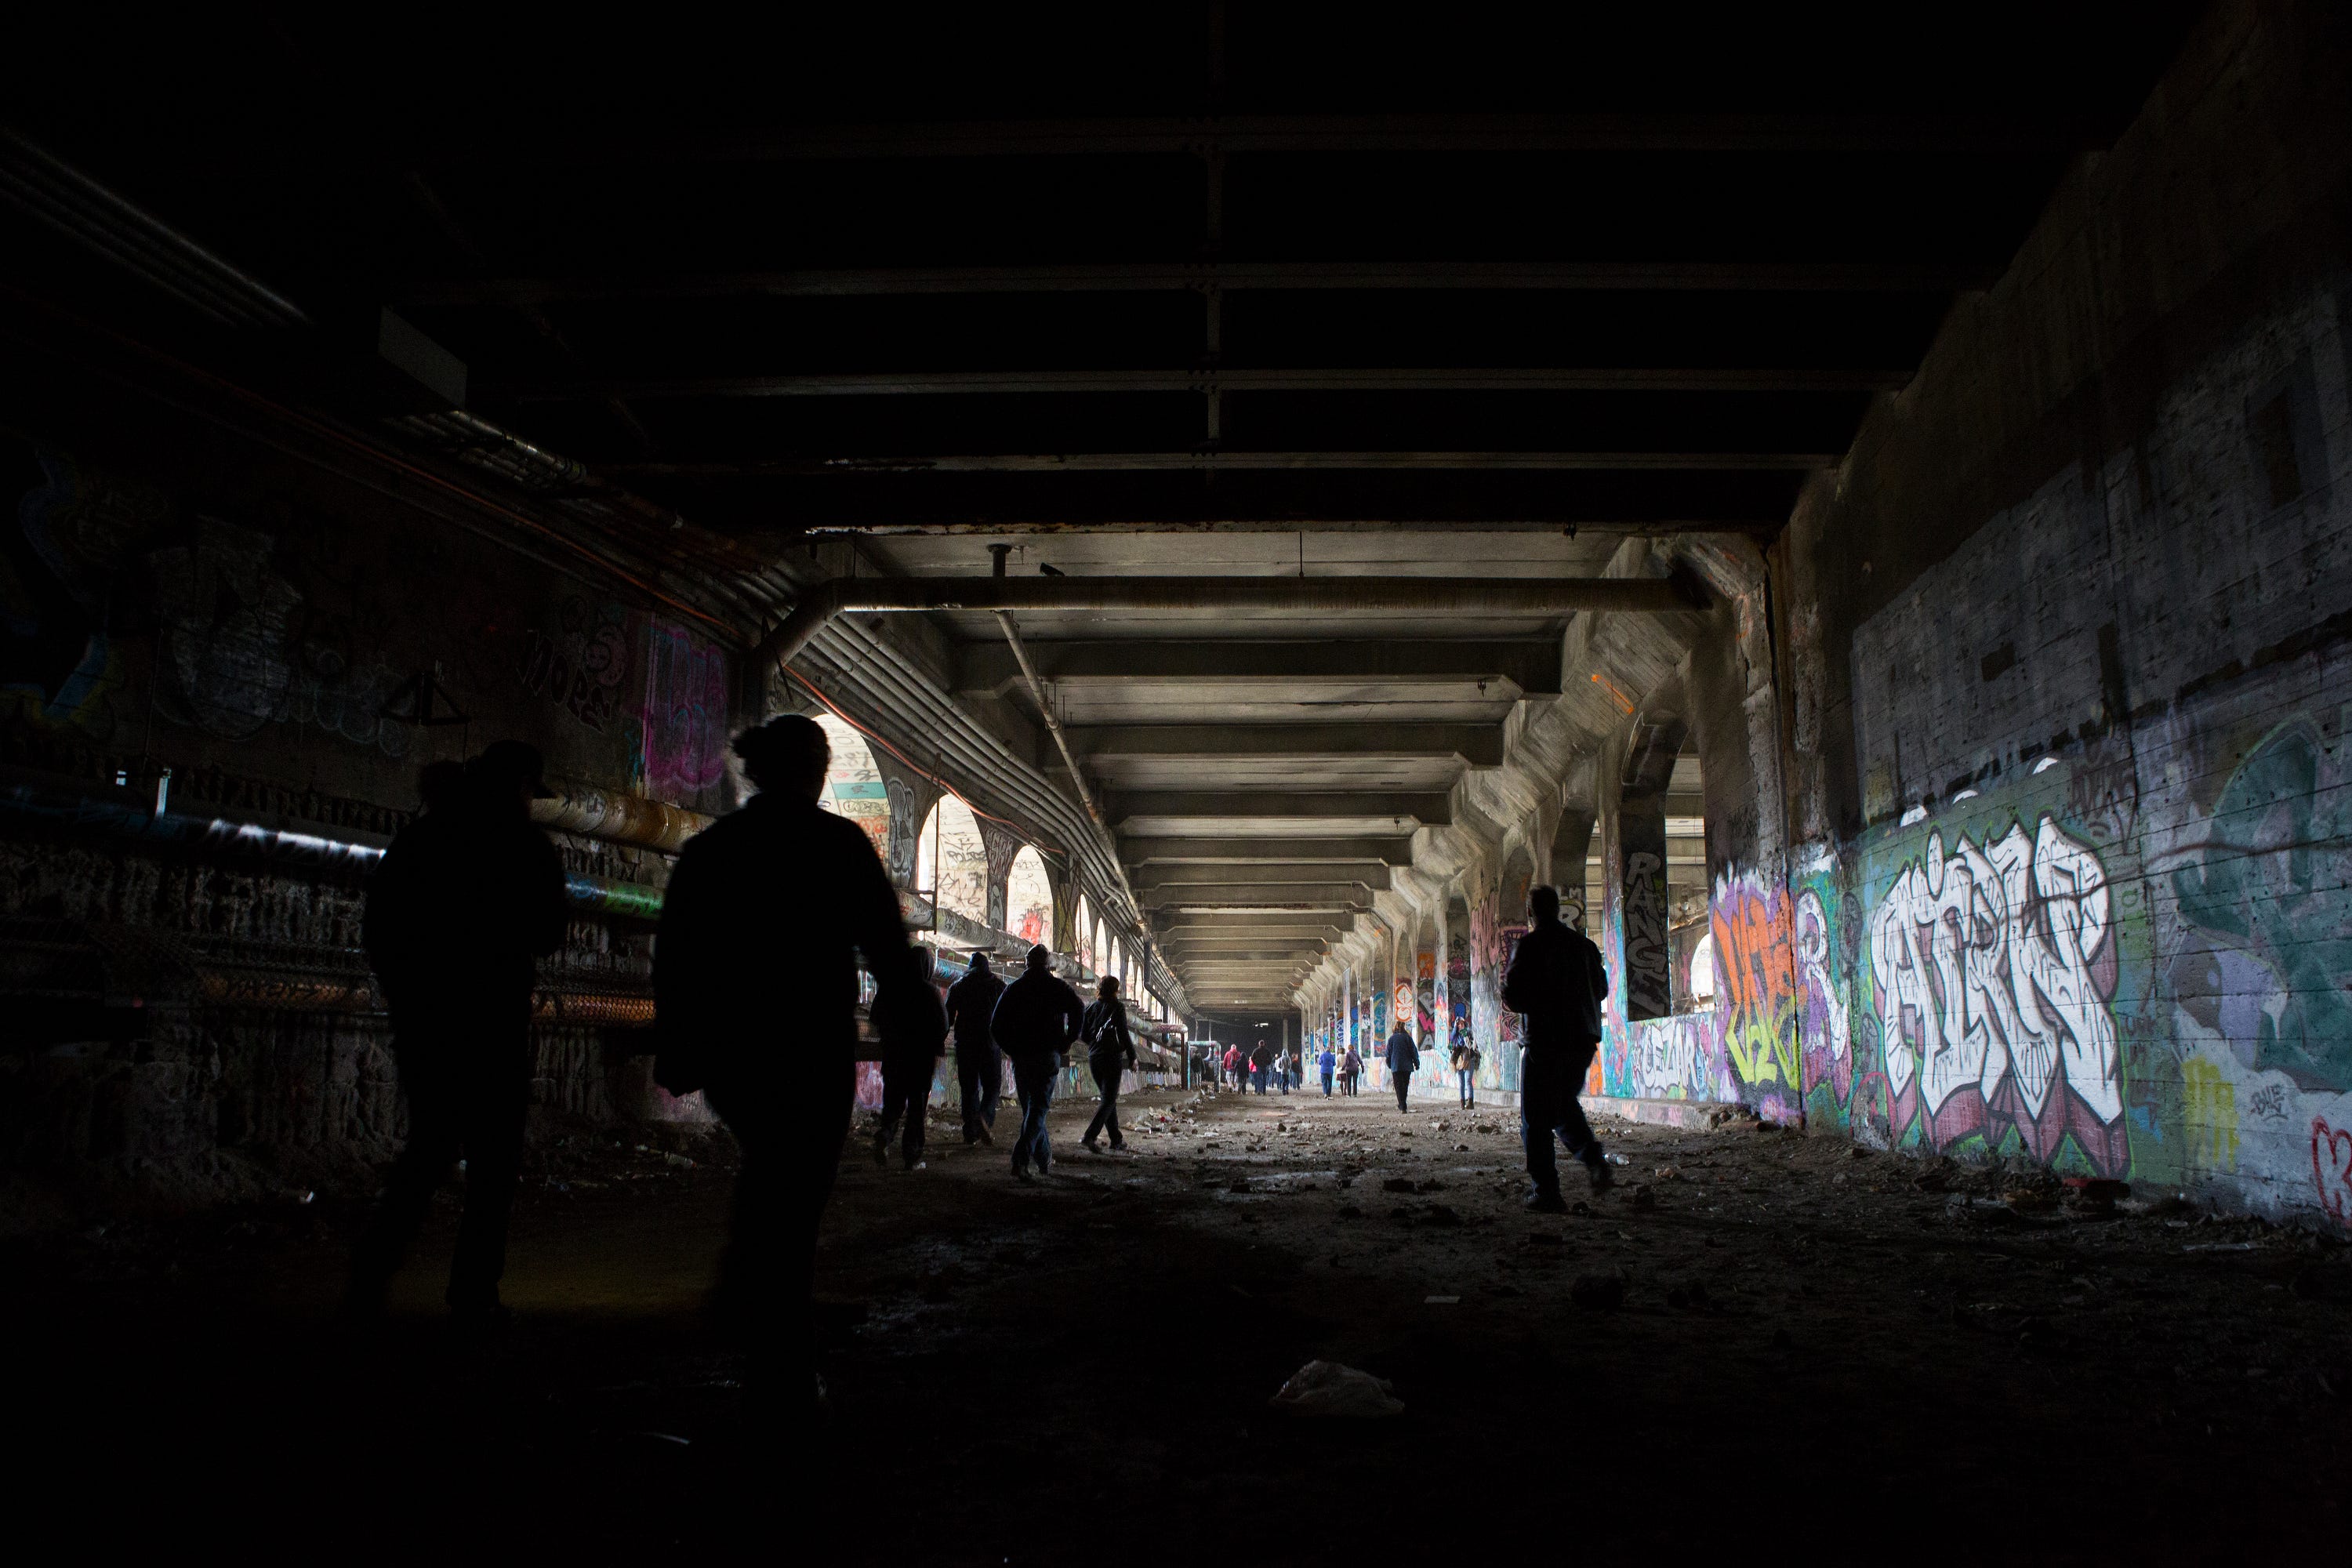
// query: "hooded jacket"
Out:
[972,1004]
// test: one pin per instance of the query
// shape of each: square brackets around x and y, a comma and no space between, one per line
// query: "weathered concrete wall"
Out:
[179,599]
[2067,668]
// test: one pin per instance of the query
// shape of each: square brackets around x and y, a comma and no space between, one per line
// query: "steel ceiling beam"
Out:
[1224,276]
[1099,382]
[1529,668]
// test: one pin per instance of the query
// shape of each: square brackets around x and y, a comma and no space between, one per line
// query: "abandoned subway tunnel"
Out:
[1249,503]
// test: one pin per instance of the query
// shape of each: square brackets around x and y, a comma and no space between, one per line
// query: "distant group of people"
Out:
[470,895]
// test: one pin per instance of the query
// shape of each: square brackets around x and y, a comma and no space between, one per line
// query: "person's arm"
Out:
[548,910]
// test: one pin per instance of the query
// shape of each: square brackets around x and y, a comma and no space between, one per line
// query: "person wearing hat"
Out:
[767,915]
[980,1067]
[463,905]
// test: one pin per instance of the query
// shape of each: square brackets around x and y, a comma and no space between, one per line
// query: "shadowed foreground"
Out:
[1806,1341]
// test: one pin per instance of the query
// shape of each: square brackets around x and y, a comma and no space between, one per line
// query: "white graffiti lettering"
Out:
[1669,1059]
[1987,967]
[1814,959]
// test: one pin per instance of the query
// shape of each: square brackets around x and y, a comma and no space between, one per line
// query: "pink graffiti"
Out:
[2331,1168]
[684,721]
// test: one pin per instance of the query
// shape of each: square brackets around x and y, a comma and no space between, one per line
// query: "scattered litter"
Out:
[1328,1388]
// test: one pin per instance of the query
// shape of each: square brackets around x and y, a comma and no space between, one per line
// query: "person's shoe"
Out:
[985,1138]
[1546,1203]
[1021,1173]
[1090,1146]
[920,1165]
[1603,1178]
[1119,1145]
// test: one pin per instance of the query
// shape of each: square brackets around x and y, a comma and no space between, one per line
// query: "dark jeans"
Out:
[1550,1081]
[1403,1080]
[1032,1081]
[1326,1083]
[1348,1083]
[1106,1073]
[1258,1080]
[468,1081]
[980,1074]
[906,1092]
[1469,1090]
[790,1129]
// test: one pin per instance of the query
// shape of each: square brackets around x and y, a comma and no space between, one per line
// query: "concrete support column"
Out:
[1642,904]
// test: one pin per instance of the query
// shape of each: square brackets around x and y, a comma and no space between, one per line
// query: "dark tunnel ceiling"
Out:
[1486,269]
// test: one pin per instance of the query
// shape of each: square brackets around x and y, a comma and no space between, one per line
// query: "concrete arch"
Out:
[853,786]
[1029,898]
[951,860]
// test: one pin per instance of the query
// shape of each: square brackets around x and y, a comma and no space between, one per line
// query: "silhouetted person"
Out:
[755,978]
[910,1058]
[1557,982]
[980,1071]
[1110,1051]
[468,897]
[1405,1059]
[1035,1020]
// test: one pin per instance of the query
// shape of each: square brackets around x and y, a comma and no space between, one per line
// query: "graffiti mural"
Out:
[1754,984]
[900,813]
[1649,955]
[853,786]
[1424,993]
[581,665]
[1457,987]
[1992,969]
[1679,1057]
[682,745]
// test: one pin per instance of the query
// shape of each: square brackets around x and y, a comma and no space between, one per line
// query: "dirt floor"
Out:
[1760,1340]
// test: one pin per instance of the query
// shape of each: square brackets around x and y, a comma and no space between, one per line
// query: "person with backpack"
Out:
[980,1067]
[1405,1059]
[1556,983]
[1465,1071]
[1110,1051]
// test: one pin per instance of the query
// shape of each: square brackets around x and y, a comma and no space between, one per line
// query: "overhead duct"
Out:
[1280,596]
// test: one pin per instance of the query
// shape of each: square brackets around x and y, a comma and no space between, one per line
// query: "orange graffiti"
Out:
[1756,981]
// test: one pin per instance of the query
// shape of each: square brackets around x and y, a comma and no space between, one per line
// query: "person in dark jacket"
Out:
[911,1050]
[1556,983]
[1110,1051]
[980,1070]
[467,899]
[1405,1060]
[780,878]
[1261,1065]
[1035,1020]
[1351,1068]
[1330,1064]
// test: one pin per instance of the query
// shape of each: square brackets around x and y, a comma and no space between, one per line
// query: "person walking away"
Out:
[1110,1051]
[1352,1067]
[780,876]
[1234,1066]
[1330,1064]
[1035,1020]
[1405,1060]
[1465,1072]
[980,1067]
[1556,983]
[470,896]
[1261,1066]
[911,1059]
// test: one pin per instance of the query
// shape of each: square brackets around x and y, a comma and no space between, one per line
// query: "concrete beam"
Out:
[1532,666]
[1369,875]
[1210,849]
[1271,895]
[1236,379]
[1406,810]
[1479,744]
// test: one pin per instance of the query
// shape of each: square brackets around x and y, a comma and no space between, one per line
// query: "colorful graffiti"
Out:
[1755,983]
[682,741]
[1823,1025]
[1992,971]
[1457,987]
[1649,955]
[1677,1058]
[1424,986]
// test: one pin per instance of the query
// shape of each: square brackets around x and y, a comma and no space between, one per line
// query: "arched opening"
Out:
[1700,971]
[853,784]
[1098,955]
[1082,934]
[1029,898]
[950,861]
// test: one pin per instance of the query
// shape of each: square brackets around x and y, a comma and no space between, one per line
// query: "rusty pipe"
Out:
[1291,596]
[618,818]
